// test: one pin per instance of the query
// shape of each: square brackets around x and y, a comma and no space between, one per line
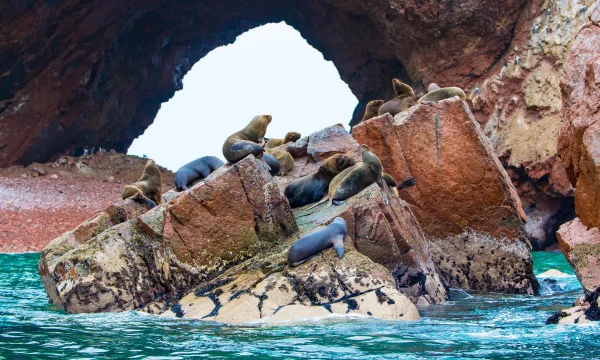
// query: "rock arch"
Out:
[75,73]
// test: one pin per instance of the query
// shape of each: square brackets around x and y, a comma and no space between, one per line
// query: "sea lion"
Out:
[273,163]
[285,159]
[311,188]
[405,98]
[289,137]
[354,179]
[196,170]
[247,141]
[372,110]
[315,242]
[389,179]
[442,94]
[148,188]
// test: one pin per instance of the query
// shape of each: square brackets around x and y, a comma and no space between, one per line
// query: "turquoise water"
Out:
[469,326]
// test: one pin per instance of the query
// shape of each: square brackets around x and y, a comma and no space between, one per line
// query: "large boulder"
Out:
[231,216]
[322,286]
[581,246]
[463,198]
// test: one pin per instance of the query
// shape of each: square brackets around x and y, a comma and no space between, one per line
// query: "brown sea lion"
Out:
[355,179]
[196,170]
[247,141]
[442,94]
[391,182]
[317,241]
[289,137]
[148,188]
[311,188]
[405,98]
[372,110]
[286,161]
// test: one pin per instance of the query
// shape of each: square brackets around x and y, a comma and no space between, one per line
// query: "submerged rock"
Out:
[465,202]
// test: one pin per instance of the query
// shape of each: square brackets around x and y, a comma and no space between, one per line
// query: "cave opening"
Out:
[269,69]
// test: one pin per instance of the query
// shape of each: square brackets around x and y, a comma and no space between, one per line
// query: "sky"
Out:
[267,70]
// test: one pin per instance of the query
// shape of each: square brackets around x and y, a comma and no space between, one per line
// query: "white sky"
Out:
[268,70]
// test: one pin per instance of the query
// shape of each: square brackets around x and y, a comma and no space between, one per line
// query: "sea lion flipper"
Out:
[407,183]
[338,245]
[144,200]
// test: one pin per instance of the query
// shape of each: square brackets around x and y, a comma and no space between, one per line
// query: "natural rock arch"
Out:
[96,73]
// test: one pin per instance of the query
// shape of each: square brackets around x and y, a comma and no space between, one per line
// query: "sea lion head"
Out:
[374,104]
[257,129]
[402,89]
[151,171]
[291,136]
[371,159]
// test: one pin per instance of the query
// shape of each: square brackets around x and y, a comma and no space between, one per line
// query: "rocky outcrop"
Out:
[78,74]
[218,252]
[165,249]
[579,146]
[381,225]
[581,246]
[518,103]
[467,206]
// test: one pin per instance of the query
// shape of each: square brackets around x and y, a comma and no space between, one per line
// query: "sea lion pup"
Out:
[289,137]
[442,94]
[247,141]
[311,188]
[405,98]
[273,163]
[148,188]
[286,161]
[196,170]
[354,179]
[315,242]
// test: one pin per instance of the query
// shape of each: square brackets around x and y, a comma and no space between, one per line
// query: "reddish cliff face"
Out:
[74,74]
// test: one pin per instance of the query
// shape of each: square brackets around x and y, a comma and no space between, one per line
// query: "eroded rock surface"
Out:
[96,73]
[464,200]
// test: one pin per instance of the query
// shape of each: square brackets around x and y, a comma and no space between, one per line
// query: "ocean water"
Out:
[470,325]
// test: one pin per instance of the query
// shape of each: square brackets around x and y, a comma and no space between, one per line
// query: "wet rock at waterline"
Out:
[586,309]
[463,198]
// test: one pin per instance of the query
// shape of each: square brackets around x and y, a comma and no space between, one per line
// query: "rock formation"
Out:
[218,252]
[579,147]
[74,74]
[518,103]
[467,206]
